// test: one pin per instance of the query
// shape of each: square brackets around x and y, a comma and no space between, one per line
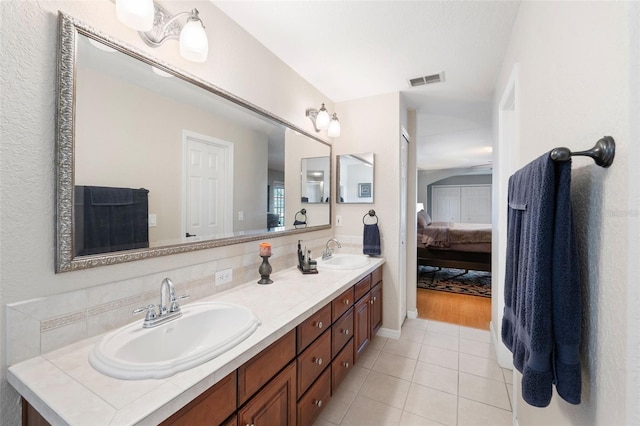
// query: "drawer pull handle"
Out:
[371,302]
[319,324]
[345,364]
[318,403]
[346,301]
[346,331]
[317,361]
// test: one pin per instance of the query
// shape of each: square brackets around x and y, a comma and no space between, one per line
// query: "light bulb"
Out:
[323,118]
[194,44]
[334,127]
[136,14]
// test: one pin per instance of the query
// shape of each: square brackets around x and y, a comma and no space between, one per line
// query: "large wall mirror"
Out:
[355,178]
[153,161]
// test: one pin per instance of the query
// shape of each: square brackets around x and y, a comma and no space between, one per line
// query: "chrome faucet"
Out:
[167,310]
[327,253]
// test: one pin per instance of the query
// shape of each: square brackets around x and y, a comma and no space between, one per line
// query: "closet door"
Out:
[445,204]
[475,204]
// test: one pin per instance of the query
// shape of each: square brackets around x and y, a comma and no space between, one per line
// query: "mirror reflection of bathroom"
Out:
[315,180]
[355,178]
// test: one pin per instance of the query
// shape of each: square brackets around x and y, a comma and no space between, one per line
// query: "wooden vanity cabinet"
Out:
[291,381]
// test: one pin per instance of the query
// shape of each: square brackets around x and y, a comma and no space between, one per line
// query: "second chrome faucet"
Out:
[327,253]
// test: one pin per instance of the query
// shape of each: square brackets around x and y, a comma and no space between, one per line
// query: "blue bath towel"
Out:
[542,314]
[371,240]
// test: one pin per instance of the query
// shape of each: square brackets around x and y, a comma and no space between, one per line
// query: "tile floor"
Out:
[435,374]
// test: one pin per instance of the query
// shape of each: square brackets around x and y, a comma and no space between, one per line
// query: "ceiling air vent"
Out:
[428,79]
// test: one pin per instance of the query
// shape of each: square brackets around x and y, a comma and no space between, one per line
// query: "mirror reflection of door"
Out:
[315,186]
[208,165]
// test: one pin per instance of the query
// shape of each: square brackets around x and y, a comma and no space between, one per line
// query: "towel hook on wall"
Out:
[603,152]
[371,213]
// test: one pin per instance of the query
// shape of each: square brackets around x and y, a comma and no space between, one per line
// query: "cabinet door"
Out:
[475,204]
[361,326]
[376,308]
[275,404]
[316,398]
[445,204]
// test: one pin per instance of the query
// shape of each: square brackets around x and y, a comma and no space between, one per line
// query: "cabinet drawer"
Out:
[341,366]
[376,276]
[231,421]
[362,287]
[341,332]
[313,361]
[253,374]
[313,326]
[342,303]
[212,407]
[315,399]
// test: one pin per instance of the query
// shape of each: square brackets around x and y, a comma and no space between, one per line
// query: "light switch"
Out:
[338,220]
[240,215]
[152,221]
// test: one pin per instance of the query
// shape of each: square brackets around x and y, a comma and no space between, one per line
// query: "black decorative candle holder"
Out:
[265,270]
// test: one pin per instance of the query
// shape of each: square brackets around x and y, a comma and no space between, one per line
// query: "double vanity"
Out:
[277,352]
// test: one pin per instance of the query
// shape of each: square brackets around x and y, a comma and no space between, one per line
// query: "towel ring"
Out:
[300,219]
[371,213]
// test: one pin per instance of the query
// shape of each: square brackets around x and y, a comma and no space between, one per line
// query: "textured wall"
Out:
[573,88]
[28,85]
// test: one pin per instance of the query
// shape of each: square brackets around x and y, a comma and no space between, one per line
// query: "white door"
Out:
[208,182]
[475,204]
[445,204]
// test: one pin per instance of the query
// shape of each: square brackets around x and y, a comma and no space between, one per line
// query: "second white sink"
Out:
[203,332]
[344,261]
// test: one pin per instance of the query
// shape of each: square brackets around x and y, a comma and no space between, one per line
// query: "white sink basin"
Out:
[344,261]
[203,332]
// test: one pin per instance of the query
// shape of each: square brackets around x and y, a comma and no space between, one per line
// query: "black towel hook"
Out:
[603,152]
[371,213]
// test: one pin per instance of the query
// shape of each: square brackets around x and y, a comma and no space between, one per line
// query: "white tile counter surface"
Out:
[65,389]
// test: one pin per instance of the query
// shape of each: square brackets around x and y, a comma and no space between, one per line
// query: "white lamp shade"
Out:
[323,119]
[194,44]
[136,14]
[334,127]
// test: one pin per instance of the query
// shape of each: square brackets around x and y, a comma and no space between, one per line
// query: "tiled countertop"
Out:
[65,389]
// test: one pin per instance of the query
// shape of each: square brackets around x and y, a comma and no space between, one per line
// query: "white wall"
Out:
[373,125]
[577,83]
[28,79]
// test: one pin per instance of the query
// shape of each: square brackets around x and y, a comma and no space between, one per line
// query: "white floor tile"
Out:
[439,356]
[471,413]
[480,366]
[355,378]
[441,340]
[444,328]
[386,389]
[365,411]
[403,348]
[416,323]
[484,390]
[436,377]
[473,347]
[338,406]
[412,334]
[475,334]
[409,419]
[432,404]
[394,365]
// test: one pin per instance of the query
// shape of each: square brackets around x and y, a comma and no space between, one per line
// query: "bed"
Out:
[454,245]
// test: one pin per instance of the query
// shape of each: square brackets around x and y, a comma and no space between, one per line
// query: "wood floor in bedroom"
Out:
[461,309]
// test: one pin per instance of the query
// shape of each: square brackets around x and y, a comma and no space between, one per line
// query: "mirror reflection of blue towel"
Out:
[371,240]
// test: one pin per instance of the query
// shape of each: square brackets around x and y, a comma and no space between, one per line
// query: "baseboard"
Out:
[413,314]
[503,355]
[387,332]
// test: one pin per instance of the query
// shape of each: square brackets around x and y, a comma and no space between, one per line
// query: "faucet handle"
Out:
[151,312]
[174,302]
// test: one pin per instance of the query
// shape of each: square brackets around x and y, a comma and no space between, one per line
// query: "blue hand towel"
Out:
[371,240]
[542,314]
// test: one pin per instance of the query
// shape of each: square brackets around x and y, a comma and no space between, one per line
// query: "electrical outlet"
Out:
[224,276]
[240,215]
[338,220]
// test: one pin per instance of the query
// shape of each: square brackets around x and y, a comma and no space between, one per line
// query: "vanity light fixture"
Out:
[322,120]
[194,45]
[136,14]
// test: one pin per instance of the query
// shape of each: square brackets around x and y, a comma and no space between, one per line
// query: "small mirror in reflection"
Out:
[355,178]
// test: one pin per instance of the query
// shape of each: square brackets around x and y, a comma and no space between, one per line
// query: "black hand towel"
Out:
[371,240]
